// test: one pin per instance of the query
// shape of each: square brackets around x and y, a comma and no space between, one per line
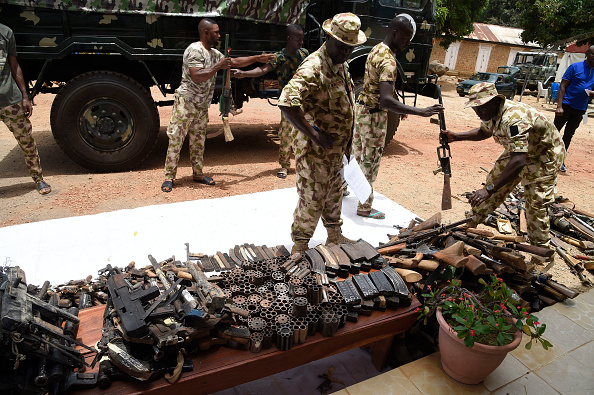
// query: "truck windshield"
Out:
[401,3]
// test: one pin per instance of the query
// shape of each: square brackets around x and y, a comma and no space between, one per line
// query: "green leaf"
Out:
[529,345]
[469,341]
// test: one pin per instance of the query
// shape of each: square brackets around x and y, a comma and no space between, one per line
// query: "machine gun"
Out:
[443,156]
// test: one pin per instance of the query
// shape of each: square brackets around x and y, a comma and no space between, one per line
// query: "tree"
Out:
[549,22]
[501,13]
[455,18]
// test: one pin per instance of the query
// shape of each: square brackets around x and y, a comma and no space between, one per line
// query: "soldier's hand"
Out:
[450,135]
[478,197]
[27,107]
[322,139]
[224,63]
[265,58]
[434,109]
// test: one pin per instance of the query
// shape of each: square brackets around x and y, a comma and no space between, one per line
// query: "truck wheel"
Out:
[105,121]
[393,119]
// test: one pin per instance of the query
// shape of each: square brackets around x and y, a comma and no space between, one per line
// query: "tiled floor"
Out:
[563,369]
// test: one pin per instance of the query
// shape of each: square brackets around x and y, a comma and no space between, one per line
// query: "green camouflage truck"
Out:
[101,58]
[535,67]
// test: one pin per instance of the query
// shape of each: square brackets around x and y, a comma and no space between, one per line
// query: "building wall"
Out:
[468,53]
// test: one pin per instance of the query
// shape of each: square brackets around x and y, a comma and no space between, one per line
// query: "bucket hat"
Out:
[481,93]
[345,27]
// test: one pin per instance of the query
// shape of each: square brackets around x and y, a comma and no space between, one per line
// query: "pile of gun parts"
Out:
[427,247]
[260,297]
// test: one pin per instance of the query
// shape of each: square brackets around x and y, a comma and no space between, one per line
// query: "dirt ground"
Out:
[249,164]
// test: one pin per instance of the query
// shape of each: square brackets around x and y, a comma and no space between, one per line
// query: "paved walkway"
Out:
[563,369]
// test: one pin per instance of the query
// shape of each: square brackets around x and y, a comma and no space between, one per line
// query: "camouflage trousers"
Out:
[538,195]
[286,135]
[369,139]
[186,119]
[319,187]
[20,126]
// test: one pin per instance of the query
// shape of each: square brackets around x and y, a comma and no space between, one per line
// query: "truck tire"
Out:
[393,119]
[105,121]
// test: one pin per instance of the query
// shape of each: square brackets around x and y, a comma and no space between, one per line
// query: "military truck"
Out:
[101,58]
[535,67]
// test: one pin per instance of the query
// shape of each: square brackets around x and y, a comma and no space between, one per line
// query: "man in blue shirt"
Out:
[576,88]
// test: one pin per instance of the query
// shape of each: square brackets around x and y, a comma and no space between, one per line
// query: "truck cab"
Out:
[101,59]
[535,67]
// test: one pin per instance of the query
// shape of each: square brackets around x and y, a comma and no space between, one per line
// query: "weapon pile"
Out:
[429,251]
[262,297]
[157,315]
[37,340]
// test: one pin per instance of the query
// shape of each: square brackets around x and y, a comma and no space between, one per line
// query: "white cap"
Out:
[412,22]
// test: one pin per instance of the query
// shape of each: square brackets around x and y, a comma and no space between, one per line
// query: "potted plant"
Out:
[477,330]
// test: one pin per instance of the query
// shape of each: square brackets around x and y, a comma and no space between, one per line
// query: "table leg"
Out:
[379,352]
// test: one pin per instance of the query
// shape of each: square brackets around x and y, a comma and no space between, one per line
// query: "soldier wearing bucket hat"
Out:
[533,154]
[376,99]
[319,101]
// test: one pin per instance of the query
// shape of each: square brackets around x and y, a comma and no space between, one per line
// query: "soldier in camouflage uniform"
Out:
[318,101]
[201,62]
[376,99]
[15,107]
[284,65]
[533,154]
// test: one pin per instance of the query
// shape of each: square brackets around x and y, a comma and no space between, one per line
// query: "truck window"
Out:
[401,3]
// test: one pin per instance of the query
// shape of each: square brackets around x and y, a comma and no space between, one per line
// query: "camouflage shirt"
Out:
[380,66]
[9,90]
[286,64]
[520,128]
[324,91]
[197,56]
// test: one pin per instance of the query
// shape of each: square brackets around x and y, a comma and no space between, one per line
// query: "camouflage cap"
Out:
[481,93]
[345,27]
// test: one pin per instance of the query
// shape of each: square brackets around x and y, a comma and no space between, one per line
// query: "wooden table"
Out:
[223,367]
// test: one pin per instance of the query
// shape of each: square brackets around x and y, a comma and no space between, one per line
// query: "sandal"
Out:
[282,173]
[373,213]
[43,188]
[167,186]
[204,180]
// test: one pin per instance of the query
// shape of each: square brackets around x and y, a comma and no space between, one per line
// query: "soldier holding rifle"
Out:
[533,154]
[376,99]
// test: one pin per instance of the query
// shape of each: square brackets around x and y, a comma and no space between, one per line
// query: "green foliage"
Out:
[486,317]
[501,13]
[455,18]
[550,22]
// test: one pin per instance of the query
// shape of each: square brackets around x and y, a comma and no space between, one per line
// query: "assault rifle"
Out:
[225,100]
[443,156]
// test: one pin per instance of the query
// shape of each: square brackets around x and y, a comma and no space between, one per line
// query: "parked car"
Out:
[504,81]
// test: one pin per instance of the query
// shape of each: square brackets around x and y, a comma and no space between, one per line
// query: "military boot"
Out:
[335,236]
[299,247]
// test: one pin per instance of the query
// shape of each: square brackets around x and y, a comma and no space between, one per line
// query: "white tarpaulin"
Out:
[73,248]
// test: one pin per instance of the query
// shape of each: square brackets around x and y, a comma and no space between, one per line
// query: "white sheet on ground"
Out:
[72,248]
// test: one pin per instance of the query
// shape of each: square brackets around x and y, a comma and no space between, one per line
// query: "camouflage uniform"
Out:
[190,110]
[285,66]
[371,121]
[12,112]
[520,128]
[324,93]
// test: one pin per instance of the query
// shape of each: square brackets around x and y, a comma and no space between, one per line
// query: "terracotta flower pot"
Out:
[469,365]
